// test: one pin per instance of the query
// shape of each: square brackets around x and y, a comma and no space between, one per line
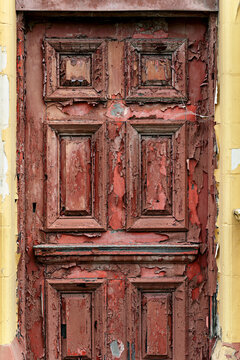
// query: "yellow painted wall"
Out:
[228,173]
[8,229]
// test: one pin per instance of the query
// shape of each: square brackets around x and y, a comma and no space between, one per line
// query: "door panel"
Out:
[117,188]
[75,69]
[76,176]
[155,174]
[156,71]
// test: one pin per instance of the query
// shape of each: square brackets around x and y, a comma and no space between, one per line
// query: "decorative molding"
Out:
[158,312]
[156,70]
[75,69]
[72,206]
[54,253]
[74,305]
[156,185]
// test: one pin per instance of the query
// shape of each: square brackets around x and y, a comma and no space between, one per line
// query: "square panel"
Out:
[157,326]
[76,176]
[75,68]
[156,175]
[156,70]
[75,319]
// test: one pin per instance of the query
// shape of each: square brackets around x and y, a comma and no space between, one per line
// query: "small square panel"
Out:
[156,70]
[75,70]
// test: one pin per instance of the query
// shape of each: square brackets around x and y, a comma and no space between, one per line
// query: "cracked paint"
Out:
[138,191]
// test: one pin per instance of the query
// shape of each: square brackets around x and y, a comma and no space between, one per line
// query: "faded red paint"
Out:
[122,5]
[118,203]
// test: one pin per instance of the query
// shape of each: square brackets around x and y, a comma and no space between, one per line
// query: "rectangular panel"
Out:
[75,165]
[156,175]
[75,174]
[156,325]
[75,319]
[77,322]
[157,318]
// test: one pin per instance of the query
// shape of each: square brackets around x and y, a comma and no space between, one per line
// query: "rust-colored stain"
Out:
[116,188]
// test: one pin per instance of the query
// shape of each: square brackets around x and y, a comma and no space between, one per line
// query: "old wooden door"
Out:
[119,192]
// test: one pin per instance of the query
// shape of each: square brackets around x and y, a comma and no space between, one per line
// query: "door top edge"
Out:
[119,6]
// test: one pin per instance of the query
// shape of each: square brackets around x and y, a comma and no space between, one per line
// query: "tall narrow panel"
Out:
[158,318]
[76,175]
[156,325]
[77,340]
[156,174]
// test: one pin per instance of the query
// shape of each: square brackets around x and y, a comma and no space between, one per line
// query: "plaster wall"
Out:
[228,177]
[8,229]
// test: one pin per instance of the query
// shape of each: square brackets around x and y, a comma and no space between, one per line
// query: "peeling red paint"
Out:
[36,346]
[193,194]
[193,270]
[195,293]
[77,109]
[123,162]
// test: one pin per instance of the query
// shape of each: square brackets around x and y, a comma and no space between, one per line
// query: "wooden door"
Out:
[119,187]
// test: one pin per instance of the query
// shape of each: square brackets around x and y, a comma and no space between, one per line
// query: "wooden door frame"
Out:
[182,8]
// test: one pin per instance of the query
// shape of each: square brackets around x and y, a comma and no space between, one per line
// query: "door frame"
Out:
[29,8]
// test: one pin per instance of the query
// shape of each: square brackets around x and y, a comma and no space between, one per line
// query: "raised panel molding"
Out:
[156,70]
[157,318]
[156,175]
[75,68]
[76,179]
[75,319]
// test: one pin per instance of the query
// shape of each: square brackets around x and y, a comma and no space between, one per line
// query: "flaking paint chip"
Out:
[235,158]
